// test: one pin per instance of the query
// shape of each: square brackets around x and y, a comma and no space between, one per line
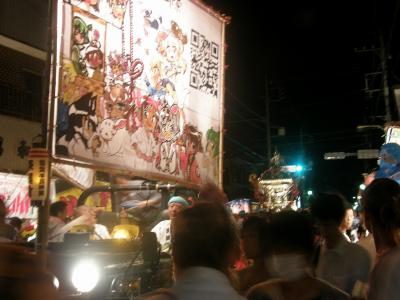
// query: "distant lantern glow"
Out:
[309,193]
[362,186]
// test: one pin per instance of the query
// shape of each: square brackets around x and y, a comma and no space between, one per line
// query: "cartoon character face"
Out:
[117,92]
[80,31]
[94,58]
[149,115]
[82,120]
[117,63]
[116,109]
[107,130]
[118,8]
[173,49]
[115,102]
[79,37]
[156,71]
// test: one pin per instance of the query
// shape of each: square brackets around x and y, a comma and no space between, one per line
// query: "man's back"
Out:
[343,265]
[199,283]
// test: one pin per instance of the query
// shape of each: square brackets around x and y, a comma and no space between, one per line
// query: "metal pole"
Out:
[43,209]
[222,112]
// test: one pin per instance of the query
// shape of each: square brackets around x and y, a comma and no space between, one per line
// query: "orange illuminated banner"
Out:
[141,87]
[38,174]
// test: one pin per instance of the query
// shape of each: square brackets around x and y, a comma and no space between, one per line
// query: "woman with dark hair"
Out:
[381,204]
[293,245]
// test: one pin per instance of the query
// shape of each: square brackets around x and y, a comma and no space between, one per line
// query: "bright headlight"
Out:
[125,232]
[85,276]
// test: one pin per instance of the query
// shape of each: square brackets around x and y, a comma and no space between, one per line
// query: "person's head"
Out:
[292,244]
[292,232]
[205,235]
[210,192]
[381,205]
[59,209]
[89,212]
[348,219]
[16,223]
[175,205]
[328,210]
[253,236]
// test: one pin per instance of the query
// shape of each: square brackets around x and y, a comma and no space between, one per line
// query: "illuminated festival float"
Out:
[275,189]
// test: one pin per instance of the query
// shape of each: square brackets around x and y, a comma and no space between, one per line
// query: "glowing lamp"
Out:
[38,175]
[125,232]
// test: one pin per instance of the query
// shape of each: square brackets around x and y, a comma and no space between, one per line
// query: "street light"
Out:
[299,168]
[366,127]
[360,154]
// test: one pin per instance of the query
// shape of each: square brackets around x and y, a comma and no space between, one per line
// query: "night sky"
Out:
[309,52]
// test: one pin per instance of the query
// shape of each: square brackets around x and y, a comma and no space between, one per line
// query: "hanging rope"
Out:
[137,66]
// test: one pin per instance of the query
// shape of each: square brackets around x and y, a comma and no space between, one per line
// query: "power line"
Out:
[248,121]
[244,105]
[255,154]
[322,140]
[244,120]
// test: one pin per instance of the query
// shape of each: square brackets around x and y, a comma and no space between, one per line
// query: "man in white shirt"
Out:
[340,262]
[163,229]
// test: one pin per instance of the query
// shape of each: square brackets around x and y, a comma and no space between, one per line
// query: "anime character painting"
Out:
[190,146]
[80,129]
[168,123]
[80,40]
[86,50]
[143,140]
[126,94]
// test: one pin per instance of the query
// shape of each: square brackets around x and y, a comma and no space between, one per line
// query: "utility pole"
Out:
[385,80]
[267,119]
[43,206]
[381,52]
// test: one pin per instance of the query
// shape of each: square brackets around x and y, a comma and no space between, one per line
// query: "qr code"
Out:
[204,64]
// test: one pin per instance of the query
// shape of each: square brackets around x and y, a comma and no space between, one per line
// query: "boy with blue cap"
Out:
[163,229]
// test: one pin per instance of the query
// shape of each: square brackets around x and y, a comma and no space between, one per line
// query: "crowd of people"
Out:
[315,253]
[311,254]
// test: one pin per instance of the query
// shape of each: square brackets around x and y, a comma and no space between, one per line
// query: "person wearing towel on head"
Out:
[163,229]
